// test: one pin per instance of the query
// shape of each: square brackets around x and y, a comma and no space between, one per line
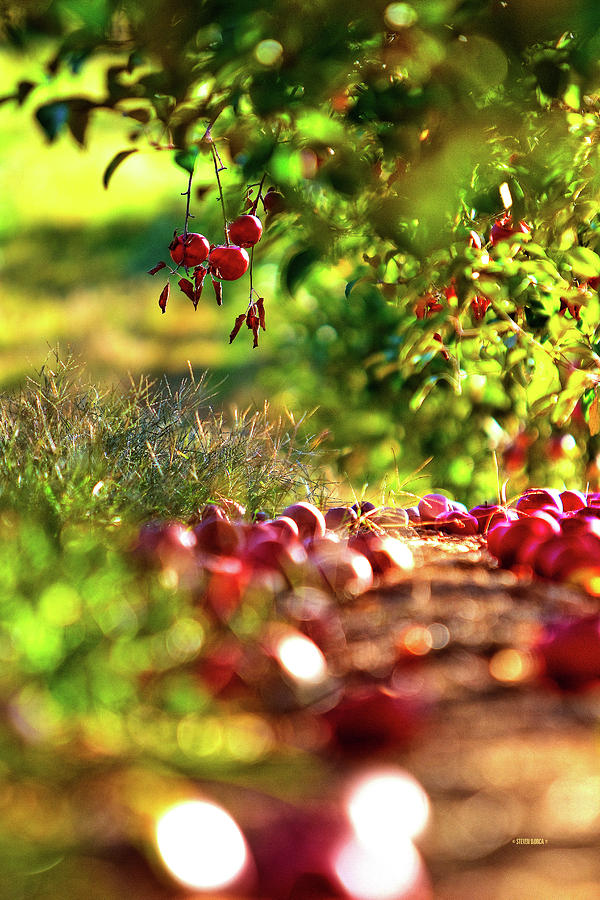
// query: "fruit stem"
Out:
[219,168]
[258,196]
[187,193]
[251,269]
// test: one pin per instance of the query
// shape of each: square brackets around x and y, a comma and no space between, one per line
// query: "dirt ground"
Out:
[511,764]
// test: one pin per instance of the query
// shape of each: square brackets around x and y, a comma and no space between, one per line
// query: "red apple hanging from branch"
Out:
[224,262]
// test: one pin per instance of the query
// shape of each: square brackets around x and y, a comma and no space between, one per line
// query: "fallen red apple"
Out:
[414,516]
[387,517]
[219,536]
[340,517]
[536,498]
[454,521]
[276,555]
[390,558]
[488,516]
[506,540]
[227,581]
[285,527]
[346,572]
[566,554]
[165,543]
[431,505]
[572,500]
[309,519]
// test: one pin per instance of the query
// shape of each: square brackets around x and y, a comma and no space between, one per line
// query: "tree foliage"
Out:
[398,135]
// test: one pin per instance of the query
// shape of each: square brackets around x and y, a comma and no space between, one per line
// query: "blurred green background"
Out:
[75,258]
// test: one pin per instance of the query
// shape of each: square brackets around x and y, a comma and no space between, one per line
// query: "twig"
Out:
[218,163]
[187,193]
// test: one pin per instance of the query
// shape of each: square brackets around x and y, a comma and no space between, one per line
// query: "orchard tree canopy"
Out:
[445,152]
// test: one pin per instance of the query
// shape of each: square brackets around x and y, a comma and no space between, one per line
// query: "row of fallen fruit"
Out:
[345,553]
[304,566]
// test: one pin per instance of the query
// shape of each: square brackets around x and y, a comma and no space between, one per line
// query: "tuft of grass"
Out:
[71,450]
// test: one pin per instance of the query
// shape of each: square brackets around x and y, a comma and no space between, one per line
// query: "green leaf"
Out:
[53,117]
[417,399]
[114,164]
[299,267]
[584,262]
[79,116]
[577,384]
[351,284]
[186,159]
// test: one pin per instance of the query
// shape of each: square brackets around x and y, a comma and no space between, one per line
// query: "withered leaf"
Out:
[260,305]
[218,291]
[199,276]
[594,416]
[159,265]
[253,323]
[236,327]
[188,289]
[164,296]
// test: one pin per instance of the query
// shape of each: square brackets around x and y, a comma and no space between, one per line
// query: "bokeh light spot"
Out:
[511,665]
[301,658]
[201,845]
[399,15]
[416,640]
[268,52]
[369,874]
[387,807]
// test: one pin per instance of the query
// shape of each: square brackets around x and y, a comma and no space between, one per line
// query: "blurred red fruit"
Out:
[340,517]
[347,573]
[570,649]
[309,519]
[273,202]
[503,229]
[390,558]
[285,527]
[219,536]
[506,541]
[372,718]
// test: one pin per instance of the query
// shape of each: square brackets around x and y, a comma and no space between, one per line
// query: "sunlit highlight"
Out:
[369,874]
[386,808]
[201,845]
[505,195]
[301,658]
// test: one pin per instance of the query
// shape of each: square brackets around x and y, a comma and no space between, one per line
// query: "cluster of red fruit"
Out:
[549,534]
[228,556]
[502,230]
[223,262]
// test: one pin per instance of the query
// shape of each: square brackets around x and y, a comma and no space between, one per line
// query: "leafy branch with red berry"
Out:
[227,261]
